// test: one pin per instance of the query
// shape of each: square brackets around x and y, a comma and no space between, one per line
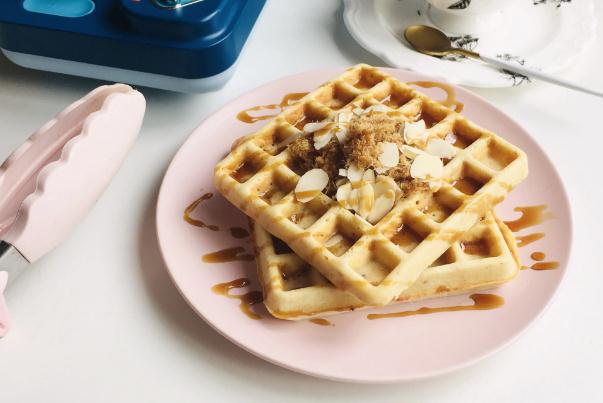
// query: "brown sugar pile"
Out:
[361,148]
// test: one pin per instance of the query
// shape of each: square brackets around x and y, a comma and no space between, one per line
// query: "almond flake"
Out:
[383,205]
[353,200]
[342,134]
[358,111]
[343,172]
[434,186]
[340,182]
[381,170]
[343,195]
[315,126]
[322,140]
[366,199]
[345,117]
[440,148]
[389,156]
[311,184]
[369,176]
[385,183]
[426,166]
[410,152]
[415,132]
[450,138]
[377,108]
[354,173]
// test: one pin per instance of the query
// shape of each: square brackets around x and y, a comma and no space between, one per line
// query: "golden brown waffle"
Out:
[258,178]
[485,257]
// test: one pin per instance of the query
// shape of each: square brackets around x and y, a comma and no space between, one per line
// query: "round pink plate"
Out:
[354,348]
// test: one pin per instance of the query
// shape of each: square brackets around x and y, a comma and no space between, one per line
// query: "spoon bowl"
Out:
[431,41]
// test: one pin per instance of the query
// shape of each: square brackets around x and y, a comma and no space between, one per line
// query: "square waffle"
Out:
[258,178]
[485,257]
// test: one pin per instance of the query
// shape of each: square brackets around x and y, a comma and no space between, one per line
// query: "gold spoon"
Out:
[433,42]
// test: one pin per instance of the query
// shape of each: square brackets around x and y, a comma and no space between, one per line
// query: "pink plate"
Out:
[354,349]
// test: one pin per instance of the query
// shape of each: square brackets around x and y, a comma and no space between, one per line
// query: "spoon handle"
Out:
[533,73]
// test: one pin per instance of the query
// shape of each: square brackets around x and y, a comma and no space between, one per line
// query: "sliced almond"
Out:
[342,134]
[383,205]
[340,182]
[345,117]
[311,184]
[343,195]
[390,156]
[315,126]
[450,138]
[369,176]
[322,140]
[435,185]
[415,132]
[385,183]
[353,199]
[410,152]
[440,148]
[354,173]
[426,166]
[377,108]
[343,172]
[357,111]
[381,170]
[366,199]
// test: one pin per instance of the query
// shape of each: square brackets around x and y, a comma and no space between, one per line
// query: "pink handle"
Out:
[52,181]
[4,318]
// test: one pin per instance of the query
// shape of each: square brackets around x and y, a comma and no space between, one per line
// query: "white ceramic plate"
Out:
[549,36]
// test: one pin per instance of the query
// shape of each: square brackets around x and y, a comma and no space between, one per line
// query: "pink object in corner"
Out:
[51,182]
[4,318]
[75,154]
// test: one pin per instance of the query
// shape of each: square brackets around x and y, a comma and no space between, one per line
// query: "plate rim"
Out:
[348,379]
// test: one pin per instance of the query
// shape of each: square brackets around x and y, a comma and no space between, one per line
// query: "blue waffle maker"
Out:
[178,45]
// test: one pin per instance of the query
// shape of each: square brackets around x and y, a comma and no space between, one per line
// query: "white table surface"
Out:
[99,320]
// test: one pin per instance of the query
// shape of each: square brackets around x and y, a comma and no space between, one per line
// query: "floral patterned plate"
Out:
[546,34]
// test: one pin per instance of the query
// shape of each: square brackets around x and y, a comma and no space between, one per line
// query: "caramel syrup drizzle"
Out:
[450,100]
[239,233]
[288,100]
[481,302]
[540,264]
[525,240]
[321,322]
[194,221]
[236,253]
[530,216]
[247,300]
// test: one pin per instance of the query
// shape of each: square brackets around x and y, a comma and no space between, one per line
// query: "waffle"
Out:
[485,257]
[258,178]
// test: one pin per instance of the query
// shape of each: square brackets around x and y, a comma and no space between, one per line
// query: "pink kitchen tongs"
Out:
[50,183]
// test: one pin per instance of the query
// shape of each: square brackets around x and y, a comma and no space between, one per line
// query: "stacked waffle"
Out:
[367,192]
